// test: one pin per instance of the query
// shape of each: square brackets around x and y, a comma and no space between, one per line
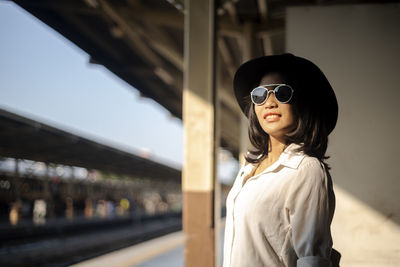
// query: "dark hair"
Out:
[310,132]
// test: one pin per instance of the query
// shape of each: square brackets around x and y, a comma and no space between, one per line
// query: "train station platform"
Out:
[163,251]
[63,243]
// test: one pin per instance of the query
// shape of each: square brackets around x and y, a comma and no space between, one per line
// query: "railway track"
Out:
[71,242]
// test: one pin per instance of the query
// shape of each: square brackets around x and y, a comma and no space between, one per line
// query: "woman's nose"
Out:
[271,101]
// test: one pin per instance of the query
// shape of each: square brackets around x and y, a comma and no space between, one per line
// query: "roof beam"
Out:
[263,10]
[267,45]
[132,36]
[165,50]
[226,57]
[140,48]
[162,37]
[157,17]
[157,39]
[64,6]
[175,20]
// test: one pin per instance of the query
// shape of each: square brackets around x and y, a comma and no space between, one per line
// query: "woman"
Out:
[281,205]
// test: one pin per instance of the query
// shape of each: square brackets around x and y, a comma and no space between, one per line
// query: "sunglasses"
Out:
[283,93]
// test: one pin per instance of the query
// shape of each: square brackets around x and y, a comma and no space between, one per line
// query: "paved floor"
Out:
[159,252]
[175,257]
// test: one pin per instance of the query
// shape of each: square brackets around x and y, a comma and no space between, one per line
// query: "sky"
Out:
[45,77]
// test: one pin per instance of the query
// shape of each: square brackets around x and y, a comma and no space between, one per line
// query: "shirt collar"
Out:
[290,157]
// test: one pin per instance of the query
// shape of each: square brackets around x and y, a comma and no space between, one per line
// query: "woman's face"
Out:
[275,118]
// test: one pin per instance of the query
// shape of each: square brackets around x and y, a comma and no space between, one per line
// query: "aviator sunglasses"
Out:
[283,93]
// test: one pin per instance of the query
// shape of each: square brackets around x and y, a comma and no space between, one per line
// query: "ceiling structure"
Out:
[141,41]
[23,138]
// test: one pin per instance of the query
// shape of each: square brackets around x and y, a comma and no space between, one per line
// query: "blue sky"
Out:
[45,77]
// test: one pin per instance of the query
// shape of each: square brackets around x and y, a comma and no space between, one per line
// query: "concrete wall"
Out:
[358,48]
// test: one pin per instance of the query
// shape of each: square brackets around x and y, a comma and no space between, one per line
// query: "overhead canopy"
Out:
[24,138]
[141,41]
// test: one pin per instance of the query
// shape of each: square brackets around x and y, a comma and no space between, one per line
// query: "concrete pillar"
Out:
[16,181]
[199,106]
[46,185]
[249,41]
[47,194]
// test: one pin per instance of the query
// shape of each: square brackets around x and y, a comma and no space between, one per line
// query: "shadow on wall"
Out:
[359,54]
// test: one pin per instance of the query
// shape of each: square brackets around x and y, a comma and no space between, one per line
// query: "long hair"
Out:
[310,131]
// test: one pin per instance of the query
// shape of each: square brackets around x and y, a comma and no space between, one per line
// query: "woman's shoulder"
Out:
[311,162]
[307,160]
[311,169]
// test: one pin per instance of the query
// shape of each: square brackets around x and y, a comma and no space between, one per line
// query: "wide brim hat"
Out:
[309,83]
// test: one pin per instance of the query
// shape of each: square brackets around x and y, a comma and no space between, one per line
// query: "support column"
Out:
[199,106]
[249,41]
[17,181]
[47,195]
[46,185]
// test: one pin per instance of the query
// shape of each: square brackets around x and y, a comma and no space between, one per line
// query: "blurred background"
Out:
[82,151]
[91,137]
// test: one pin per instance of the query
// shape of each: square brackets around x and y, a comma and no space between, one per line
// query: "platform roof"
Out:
[24,138]
[141,41]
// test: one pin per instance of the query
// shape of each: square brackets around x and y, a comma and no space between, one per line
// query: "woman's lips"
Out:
[271,117]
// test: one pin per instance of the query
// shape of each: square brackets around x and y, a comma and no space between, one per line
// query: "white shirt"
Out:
[282,216]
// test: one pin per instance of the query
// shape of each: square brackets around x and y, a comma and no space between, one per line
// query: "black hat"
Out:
[310,83]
